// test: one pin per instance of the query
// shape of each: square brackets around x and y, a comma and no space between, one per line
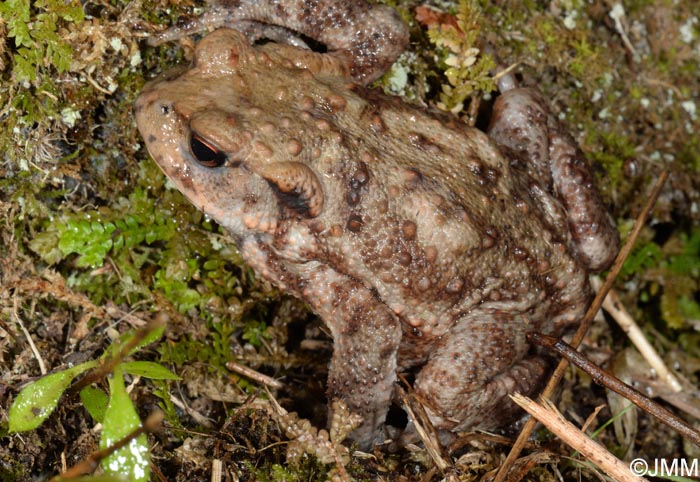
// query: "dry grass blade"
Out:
[613,306]
[550,417]
[216,470]
[28,336]
[423,429]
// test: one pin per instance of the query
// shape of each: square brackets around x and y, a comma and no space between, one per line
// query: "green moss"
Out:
[547,32]
[11,471]
[614,149]
[585,56]
[689,154]
[309,469]
[644,256]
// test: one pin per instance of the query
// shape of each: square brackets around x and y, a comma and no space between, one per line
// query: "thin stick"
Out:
[613,306]
[601,377]
[550,417]
[529,426]
[254,375]
[151,424]
[107,365]
[35,351]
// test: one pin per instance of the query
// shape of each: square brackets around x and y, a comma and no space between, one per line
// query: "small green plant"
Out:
[40,53]
[468,69]
[149,240]
[95,234]
[114,410]
[672,271]
[254,332]
[34,26]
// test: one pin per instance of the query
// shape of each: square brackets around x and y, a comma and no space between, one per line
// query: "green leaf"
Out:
[689,307]
[642,257]
[254,331]
[95,401]
[20,32]
[117,345]
[17,14]
[24,69]
[18,9]
[62,55]
[172,281]
[149,370]
[45,244]
[91,240]
[121,419]
[38,400]
[74,13]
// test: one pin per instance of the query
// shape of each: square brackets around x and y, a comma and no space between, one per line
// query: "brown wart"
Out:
[296,185]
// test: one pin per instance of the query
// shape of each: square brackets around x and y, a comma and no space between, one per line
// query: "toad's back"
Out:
[422,243]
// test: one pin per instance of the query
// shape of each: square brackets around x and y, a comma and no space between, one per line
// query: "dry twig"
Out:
[547,413]
[28,336]
[425,431]
[602,377]
[254,375]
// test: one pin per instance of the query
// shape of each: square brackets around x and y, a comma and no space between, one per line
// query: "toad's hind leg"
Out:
[466,382]
[522,123]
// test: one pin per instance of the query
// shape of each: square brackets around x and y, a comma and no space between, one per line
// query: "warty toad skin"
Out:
[426,246]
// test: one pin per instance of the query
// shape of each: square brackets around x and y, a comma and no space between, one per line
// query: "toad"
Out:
[427,247]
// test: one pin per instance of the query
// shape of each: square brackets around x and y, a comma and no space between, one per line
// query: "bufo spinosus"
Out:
[426,246]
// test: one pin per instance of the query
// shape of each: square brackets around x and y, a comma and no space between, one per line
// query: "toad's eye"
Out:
[205,153]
